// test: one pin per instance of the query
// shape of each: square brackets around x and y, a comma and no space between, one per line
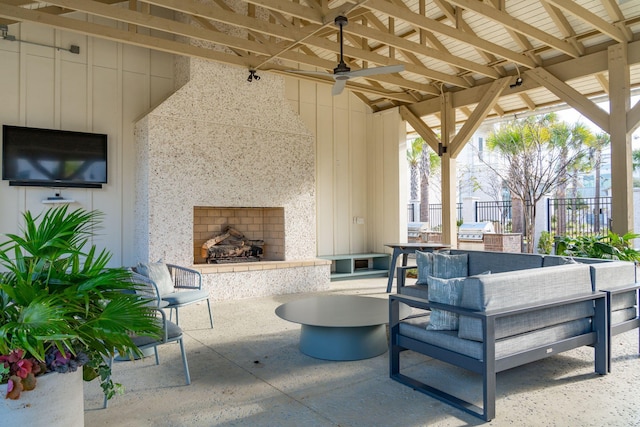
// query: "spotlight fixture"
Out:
[518,81]
[252,76]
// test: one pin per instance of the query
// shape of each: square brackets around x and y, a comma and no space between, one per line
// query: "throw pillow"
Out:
[450,266]
[424,260]
[159,273]
[444,291]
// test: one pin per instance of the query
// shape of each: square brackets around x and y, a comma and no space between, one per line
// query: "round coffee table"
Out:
[340,327]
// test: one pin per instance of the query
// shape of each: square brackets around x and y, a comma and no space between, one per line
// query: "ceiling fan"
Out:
[342,72]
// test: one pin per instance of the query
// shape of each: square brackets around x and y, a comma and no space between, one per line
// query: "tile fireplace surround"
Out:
[205,146]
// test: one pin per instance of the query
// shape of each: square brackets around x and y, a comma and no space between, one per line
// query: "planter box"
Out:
[499,242]
[57,401]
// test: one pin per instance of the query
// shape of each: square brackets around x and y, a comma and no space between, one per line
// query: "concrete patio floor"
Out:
[248,371]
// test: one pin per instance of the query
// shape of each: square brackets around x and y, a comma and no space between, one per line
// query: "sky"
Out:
[573,116]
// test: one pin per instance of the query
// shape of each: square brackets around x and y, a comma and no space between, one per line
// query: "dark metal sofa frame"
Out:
[489,365]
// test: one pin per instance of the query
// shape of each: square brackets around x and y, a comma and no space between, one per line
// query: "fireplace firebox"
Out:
[232,235]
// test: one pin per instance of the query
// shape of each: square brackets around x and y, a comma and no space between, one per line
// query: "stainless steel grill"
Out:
[472,233]
[416,230]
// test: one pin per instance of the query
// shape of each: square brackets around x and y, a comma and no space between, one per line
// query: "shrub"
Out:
[611,246]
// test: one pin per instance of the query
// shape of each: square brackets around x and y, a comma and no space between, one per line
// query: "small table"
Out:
[340,327]
[405,249]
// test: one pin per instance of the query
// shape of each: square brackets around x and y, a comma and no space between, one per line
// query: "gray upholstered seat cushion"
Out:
[521,323]
[505,347]
[502,290]
[185,297]
[612,274]
[173,331]
[623,314]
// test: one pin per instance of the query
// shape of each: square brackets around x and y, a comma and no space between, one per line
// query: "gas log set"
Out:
[232,246]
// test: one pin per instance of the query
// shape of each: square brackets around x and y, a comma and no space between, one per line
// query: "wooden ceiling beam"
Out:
[516,25]
[447,31]
[592,19]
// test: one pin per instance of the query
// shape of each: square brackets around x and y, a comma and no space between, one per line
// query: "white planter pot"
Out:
[57,401]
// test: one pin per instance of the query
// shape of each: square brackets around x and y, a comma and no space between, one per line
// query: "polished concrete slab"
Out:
[248,371]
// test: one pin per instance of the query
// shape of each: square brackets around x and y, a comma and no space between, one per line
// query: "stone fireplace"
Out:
[221,150]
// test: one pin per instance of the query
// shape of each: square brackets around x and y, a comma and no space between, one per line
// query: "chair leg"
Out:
[184,362]
[210,316]
[155,350]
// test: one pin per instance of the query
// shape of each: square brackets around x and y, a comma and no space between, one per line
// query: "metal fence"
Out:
[411,213]
[499,212]
[435,214]
[579,216]
[565,217]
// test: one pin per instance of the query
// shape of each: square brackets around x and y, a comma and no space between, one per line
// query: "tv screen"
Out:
[53,158]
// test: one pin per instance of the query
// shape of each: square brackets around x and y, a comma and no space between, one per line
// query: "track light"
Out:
[252,76]
[518,81]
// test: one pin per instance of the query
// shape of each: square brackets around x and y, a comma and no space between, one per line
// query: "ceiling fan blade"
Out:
[313,73]
[376,70]
[338,87]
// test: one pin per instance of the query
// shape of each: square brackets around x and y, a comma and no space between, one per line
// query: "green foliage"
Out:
[57,295]
[611,246]
[545,244]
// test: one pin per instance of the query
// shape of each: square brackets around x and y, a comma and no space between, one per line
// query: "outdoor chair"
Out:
[170,331]
[178,286]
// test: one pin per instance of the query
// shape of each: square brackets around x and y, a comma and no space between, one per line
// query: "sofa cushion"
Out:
[612,274]
[424,261]
[448,266]
[622,315]
[503,290]
[445,291]
[498,262]
[525,322]
[504,347]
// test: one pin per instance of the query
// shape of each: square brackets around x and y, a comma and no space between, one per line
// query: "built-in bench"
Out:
[353,266]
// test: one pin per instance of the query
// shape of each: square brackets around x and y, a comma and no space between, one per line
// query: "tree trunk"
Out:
[517,215]
[596,209]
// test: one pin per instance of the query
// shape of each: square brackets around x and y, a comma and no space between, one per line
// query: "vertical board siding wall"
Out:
[103,89]
[352,175]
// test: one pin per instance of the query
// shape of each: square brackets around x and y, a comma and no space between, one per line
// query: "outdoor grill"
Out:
[416,230]
[471,234]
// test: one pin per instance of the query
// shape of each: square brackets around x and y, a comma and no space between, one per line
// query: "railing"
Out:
[579,216]
[411,214]
[498,212]
[435,214]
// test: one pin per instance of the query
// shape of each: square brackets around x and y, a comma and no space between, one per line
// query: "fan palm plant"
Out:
[60,305]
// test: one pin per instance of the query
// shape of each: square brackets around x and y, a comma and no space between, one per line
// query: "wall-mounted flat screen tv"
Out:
[53,158]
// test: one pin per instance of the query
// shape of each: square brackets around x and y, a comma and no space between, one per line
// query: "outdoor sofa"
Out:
[496,311]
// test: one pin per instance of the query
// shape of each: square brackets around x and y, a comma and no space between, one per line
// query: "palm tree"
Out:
[429,164]
[534,164]
[414,154]
[570,139]
[601,141]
